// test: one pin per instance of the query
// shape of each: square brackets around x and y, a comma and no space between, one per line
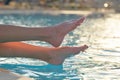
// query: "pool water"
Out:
[100,62]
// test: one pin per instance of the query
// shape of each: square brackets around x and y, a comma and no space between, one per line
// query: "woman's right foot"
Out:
[58,55]
[59,31]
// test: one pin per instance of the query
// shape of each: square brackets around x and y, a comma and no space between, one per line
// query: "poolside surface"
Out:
[52,12]
[8,75]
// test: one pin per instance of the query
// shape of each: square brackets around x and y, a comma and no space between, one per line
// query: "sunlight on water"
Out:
[100,62]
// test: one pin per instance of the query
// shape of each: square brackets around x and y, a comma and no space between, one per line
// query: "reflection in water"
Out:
[100,62]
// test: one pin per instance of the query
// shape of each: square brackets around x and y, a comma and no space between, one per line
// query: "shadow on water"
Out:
[44,72]
[114,51]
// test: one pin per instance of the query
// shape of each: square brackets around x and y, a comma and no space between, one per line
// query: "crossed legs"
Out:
[53,35]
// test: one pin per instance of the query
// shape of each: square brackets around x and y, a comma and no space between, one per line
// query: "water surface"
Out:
[100,62]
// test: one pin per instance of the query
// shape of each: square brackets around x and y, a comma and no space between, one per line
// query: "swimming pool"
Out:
[100,62]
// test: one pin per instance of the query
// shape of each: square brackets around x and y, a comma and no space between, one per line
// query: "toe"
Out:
[81,20]
[83,48]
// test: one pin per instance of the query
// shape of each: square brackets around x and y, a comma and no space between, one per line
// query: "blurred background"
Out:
[62,4]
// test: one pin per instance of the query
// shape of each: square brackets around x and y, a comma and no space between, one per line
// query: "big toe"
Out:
[84,47]
[79,21]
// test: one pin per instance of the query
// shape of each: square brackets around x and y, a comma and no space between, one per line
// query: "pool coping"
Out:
[11,75]
[53,12]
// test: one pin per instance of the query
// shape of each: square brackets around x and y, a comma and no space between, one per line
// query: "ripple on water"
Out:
[100,62]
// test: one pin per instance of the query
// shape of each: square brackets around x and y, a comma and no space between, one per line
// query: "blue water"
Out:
[100,62]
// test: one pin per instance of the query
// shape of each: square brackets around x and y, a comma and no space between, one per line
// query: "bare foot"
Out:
[58,55]
[59,31]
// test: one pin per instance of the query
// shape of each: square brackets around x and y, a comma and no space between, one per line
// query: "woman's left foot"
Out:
[59,31]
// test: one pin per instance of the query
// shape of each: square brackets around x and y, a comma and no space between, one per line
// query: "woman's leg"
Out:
[53,35]
[51,55]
